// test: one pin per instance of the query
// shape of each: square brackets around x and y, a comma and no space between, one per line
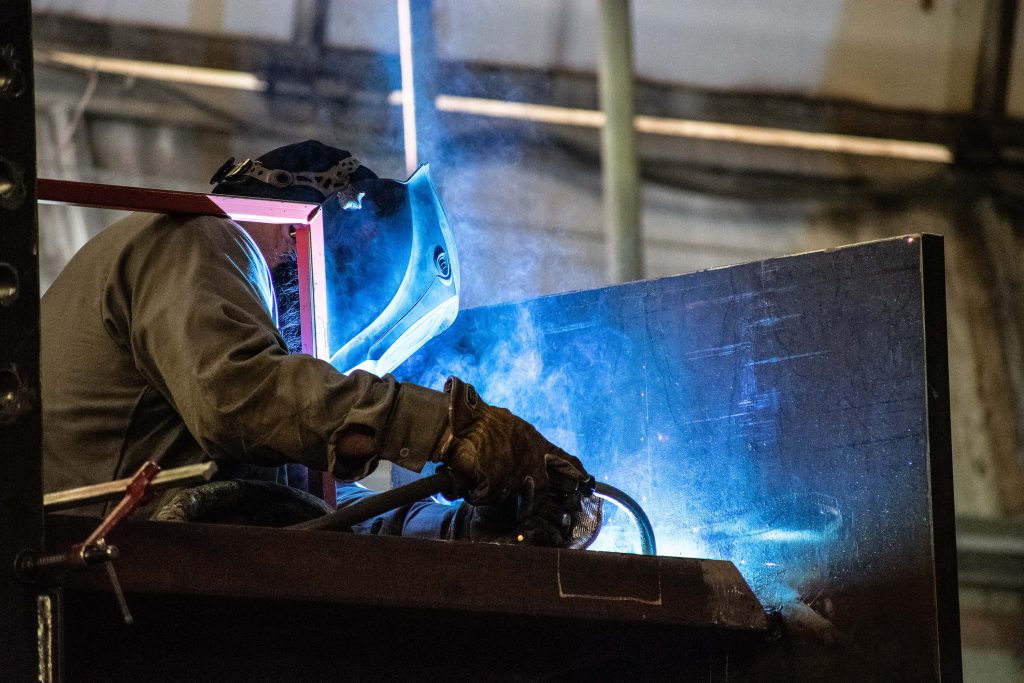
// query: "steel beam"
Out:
[418,57]
[310,24]
[21,496]
[620,169]
[992,74]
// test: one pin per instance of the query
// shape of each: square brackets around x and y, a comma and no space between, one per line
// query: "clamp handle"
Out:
[139,493]
[95,549]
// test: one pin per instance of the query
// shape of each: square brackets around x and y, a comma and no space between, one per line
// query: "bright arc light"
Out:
[158,71]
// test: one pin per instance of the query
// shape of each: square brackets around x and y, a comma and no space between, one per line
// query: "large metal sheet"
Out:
[775,414]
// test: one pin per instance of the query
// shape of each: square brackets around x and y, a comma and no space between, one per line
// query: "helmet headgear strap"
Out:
[334,180]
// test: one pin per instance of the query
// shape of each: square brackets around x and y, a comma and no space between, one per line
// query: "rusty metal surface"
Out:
[342,569]
[790,415]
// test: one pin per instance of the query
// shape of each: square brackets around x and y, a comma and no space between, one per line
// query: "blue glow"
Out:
[654,407]
[393,274]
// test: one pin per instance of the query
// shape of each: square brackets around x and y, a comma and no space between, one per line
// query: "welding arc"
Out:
[623,501]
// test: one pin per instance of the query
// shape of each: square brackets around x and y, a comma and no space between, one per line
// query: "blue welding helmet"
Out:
[391,269]
[392,272]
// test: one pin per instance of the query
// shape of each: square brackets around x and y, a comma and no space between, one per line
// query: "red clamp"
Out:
[138,493]
[95,549]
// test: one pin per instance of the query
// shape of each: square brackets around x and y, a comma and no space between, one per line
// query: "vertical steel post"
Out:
[21,498]
[620,171]
[977,145]
[310,24]
[418,57]
[992,74]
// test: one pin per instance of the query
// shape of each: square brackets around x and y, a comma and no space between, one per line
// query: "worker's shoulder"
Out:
[177,235]
[172,228]
[146,227]
[143,241]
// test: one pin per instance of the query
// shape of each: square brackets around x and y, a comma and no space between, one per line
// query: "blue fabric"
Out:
[422,519]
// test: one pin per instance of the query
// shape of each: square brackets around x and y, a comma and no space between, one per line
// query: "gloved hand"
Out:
[506,458]
[500,523]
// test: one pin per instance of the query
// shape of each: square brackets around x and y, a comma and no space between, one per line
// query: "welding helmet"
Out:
[390,272]
[393,272]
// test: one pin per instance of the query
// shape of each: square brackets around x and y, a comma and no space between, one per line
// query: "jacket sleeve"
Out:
[191,303]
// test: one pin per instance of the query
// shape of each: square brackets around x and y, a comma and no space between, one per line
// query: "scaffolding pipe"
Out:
[620,172]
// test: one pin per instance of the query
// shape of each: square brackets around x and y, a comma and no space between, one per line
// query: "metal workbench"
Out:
[240,603]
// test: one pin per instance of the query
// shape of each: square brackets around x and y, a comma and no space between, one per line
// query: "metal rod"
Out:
[310,24]
[150,200]
[417,57]
[620,169]
[114,490]
[408,86]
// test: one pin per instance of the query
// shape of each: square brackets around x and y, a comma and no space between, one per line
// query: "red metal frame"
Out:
[309,238]
[306,217]
[151,200]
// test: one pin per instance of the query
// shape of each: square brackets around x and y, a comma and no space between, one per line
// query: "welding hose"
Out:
[444,481]
[624,502]
[449,483]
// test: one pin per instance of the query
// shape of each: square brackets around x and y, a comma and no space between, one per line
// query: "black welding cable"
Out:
[447,481]
[626,503]
[442,481]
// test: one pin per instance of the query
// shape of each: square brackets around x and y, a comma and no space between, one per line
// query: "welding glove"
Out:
[505,457]
[500,523]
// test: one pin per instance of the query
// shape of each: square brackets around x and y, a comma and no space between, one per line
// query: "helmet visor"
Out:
[391,273]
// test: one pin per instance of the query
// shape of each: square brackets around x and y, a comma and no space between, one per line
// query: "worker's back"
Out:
[104,411]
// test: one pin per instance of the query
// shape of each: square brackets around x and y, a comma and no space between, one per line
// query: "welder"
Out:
[160,341]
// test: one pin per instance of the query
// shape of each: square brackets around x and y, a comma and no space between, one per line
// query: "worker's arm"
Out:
[193,308]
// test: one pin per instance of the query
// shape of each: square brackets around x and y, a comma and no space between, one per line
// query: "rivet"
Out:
[9,286]
[12,186]
[15,398]
[12,79]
